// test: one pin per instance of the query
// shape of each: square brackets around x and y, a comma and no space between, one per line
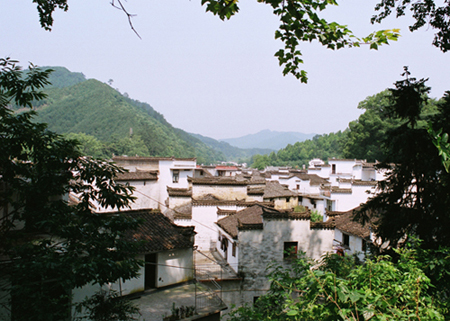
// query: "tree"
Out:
[366,135]
[49,245]
[413,201]
[340,289]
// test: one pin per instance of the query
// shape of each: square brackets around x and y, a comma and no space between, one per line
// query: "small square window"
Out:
[290,250]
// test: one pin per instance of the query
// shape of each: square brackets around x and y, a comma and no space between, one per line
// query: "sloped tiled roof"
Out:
[139,158]
[335,189]
[328,225]
[364,183]
[228,168]
[137,176]
[180,192]
[159,233]
[182,212]
[250,217]
[344,222]
[225,212]
[287,214]
[275,189]
[255,190]
[217,181]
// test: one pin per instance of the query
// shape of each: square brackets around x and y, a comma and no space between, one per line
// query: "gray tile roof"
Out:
[183,192]
[344,222]
[217,181]
[137,176]
[251,216]
[159,233]
[275,189]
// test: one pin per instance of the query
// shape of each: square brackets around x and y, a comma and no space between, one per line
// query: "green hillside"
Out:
[107,123]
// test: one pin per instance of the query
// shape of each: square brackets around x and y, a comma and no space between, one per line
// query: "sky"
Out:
[220,78]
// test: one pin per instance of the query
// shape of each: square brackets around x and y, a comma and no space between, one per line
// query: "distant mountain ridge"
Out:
[268,139]
[231,152]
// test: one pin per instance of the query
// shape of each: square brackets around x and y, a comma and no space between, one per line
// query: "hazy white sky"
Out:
[220,79]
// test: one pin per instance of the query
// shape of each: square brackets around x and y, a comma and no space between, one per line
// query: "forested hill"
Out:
[365,137]
[105,122]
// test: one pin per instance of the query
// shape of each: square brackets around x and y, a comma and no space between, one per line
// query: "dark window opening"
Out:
[290,250]
[346,239]
[175,176]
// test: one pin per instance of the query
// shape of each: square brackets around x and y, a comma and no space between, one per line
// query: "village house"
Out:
[167,251]
[252,238]
[167,172]
[351,237]
[198,205]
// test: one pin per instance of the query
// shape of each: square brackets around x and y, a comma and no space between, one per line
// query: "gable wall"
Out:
[223,192]
[258,248]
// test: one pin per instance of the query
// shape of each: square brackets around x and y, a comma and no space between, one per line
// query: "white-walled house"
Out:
[146,190]
[171,172]
[351,237]
[252,238]
[167,252]
[281,195]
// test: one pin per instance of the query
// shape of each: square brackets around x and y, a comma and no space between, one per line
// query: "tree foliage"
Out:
[302,21]
[321,146]
[414,198]
[48,245]
[340,289]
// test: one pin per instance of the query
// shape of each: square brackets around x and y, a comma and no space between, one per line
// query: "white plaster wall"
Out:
[323,171]
[319,206]
[345,202]
[186,168]
[233,261]
[146,193]
[183,222]
[355,243]
[282,203]
[175,201]
[342,166]
[257,248]
[345,184]
[358,171]
[380,175]
[256,198]
[133,165]
[224,192]
[175,266]
[203,218]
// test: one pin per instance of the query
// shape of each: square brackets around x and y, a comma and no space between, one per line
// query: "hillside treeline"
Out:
[107,123]
[365,137]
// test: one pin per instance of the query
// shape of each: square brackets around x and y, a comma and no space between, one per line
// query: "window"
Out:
[290,250]
[233,252]
[346,239]
[175,176]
